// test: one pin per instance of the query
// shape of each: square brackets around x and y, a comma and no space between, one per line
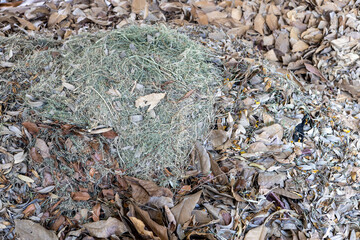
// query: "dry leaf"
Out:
[182,211]
[159,230]
[299,46]
[258,233]
[149,100]
[26,24]
[96,212]
[140,228]
[80,196]
[270,55]
[43,148]
[215,15]
[138,5]
[236,14]
[31,127]
[19,157]
[314,71]
[29,230]
[259,24]
[204,158]
[270,135]
[57,17]
[219,174]
[142,190]
[25,178]
[171,6]
[272,22]
[35,155]
[104,229]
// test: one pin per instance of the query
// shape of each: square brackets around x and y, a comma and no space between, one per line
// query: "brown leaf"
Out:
[159,230]
[182,211]
[286,193]
[259,24]
[219,174]
[58,222]
[29,230]
[35,155]
[142,190]
[47,178]
[96,212]
[80,196]
[170,219]
[57,17]
[140,228]
[299,46]
[104,229]
[29,210]
[110,134]
[10,4]
[199,16]
[43,147]
[271,21]
[171,6]
[26,23]
[258,233]
[204,158]
[215,15]
[314,71]
[138,5]
[31,127]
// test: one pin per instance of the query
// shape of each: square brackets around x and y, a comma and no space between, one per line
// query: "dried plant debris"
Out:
[135,81]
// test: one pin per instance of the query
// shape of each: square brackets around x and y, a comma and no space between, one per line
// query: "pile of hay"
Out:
[92,80]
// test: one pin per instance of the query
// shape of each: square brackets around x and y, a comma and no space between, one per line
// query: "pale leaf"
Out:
[149,100]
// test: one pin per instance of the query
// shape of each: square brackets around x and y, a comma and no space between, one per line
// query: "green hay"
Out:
[159,59]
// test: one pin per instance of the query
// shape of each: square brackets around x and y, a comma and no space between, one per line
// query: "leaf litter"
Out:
[277,187]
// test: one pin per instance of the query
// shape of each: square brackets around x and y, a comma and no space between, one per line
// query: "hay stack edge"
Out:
[153,86]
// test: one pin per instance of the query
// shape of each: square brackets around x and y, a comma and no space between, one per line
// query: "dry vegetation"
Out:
[282,157]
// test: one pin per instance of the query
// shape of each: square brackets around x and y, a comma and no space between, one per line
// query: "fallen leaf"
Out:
[96,212]
[138,5]
[219,174]
[142,190]
[204,158]
[105,228]
[29,210]
[258,233]
[182,211]
[140,228]
[271,21]
[271,135]
[19,157]
[149,100]
[31,127]
[57,17]
[80,196]
[299,46]
[43,147]
[259,24]
[159,230]
[315,71]
[25,178]
[35,155]
[58,222]
[29,230]
[26,23]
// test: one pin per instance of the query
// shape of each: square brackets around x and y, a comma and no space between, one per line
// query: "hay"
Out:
[135,61]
